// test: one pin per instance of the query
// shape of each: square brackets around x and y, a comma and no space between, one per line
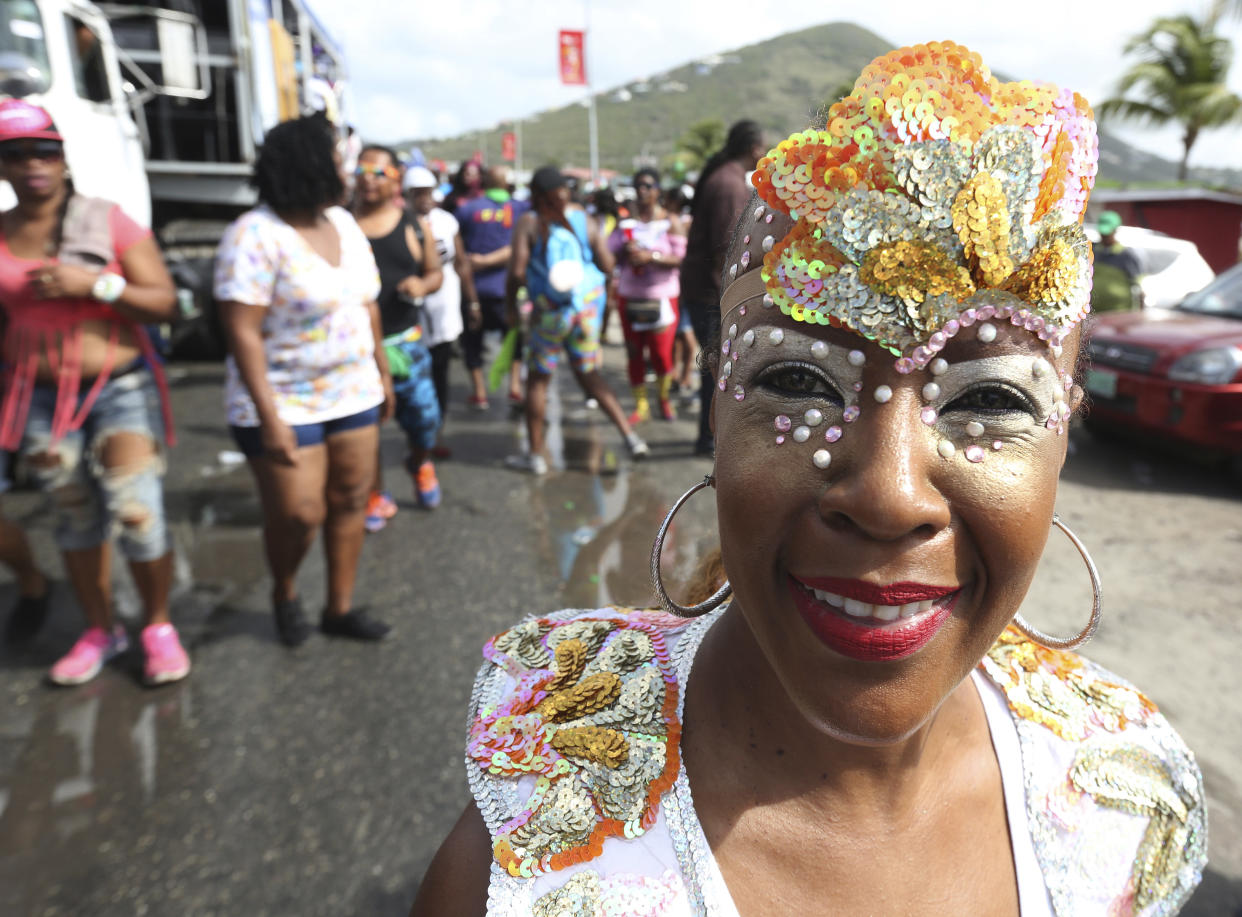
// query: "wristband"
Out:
[108,287]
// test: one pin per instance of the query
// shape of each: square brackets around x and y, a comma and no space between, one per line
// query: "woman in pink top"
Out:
[649,247]
[82,392]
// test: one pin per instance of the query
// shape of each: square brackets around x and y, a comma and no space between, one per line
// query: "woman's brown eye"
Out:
[799,382]
[991,399]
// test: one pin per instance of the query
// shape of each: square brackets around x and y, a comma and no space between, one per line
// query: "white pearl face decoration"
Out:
[969,408]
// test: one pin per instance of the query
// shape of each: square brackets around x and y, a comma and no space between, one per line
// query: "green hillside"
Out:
[780,83]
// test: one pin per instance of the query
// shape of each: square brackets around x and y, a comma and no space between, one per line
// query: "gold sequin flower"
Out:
[593,718]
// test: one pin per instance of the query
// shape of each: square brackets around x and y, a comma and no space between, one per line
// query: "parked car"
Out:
[1174,375]
[1172,268]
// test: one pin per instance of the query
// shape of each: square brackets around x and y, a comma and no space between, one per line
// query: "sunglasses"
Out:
[385,171]
[646,184]
[47,150]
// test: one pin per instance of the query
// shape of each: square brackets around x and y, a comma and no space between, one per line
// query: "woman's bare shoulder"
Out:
[457,879]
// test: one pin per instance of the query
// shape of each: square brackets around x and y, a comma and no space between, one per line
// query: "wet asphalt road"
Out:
[320,781]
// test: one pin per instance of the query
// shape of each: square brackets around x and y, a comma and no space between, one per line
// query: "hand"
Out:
[389,407]
[474,316]
[412,287]
[280,443]
[57,281]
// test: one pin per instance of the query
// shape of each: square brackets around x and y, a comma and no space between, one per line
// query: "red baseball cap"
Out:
[20,120]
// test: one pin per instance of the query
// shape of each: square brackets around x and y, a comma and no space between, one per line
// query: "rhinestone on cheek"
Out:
[850,414]
[857,386]
[996,445]
[974,453]
[819,350]
[749,337]
[801,434]
[883,394]
[780,440]
[931,391]
[929,416]
[939,366]
[768,242]
[857,358]
[813,417]
[776,335]
[821,458]
[832,434]
[738,392]
[974,428]
[986,333]
[732,331]
[783,424]
[945,448]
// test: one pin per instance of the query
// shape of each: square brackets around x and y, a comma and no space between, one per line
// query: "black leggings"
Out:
[441,356]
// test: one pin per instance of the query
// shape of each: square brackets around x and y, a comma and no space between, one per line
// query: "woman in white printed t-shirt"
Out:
[308,379]
[442,311]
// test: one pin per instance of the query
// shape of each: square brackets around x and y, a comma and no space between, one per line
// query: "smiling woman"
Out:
[871,726]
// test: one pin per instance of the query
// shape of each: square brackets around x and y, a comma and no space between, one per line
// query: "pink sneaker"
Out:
[82,663]
[166,660]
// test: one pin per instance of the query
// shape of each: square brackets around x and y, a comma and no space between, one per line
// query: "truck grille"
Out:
[1123,356]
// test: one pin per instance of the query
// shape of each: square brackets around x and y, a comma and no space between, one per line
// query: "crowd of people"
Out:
[344,296]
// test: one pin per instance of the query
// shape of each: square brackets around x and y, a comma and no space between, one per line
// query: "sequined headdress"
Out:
[935,191]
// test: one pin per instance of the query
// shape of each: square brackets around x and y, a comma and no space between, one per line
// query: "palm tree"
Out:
[700,140]
[1179,77]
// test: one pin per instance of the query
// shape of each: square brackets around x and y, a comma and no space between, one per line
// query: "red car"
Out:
[1174,375]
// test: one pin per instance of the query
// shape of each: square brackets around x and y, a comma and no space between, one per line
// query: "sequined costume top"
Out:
[573,759]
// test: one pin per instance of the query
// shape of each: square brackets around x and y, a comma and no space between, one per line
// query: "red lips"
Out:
[893,594]
[865,639]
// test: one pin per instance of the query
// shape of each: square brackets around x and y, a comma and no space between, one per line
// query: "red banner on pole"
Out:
[508,146]
[573,58]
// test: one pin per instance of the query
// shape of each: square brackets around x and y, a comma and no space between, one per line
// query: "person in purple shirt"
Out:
[486,230]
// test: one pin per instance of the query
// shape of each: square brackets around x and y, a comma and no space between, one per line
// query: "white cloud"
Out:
[470,64]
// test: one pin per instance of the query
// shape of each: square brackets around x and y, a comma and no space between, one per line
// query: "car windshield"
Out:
[1223,296]
[23,51]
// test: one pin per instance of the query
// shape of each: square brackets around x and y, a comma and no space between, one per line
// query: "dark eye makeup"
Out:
[992,399]
[799,380]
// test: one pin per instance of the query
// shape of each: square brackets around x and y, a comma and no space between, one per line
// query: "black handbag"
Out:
[642,311]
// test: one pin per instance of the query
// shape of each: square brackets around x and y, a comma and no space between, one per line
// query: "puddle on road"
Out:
[595,521]
[75,763]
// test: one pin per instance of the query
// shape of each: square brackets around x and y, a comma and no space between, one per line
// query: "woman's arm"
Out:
[518,260]
[149,296]
[381,360]
[481,262]
[599,246]
[457,879]
[469,295]
[433,274]
[244,326]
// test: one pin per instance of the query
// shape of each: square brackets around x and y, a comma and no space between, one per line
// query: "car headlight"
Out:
[1210,366]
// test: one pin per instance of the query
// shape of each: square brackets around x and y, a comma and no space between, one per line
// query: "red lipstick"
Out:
[866,639]
[893,594]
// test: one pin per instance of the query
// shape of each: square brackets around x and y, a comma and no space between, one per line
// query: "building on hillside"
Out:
[1210,219]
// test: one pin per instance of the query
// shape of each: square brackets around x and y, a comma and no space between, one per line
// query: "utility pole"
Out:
[592,120]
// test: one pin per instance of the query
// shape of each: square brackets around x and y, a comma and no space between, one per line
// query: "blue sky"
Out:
[419,69]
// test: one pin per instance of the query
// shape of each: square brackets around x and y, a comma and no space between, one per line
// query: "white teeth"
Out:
[857,609]
[887,612]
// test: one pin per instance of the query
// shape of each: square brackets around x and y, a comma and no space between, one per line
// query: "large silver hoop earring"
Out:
[1060,643]
[683,611]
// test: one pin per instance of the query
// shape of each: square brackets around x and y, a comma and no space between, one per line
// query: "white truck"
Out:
[163,105]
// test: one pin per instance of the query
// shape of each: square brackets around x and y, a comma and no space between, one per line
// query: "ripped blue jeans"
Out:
[93,502]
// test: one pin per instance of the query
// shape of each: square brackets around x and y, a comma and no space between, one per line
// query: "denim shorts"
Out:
[250,439]
[95,503]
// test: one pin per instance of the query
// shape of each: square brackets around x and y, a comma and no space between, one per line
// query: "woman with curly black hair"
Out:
[308,380]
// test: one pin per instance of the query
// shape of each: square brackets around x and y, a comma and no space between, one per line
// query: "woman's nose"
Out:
[883,482]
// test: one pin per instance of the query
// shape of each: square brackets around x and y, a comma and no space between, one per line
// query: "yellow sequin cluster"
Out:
[931,148]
